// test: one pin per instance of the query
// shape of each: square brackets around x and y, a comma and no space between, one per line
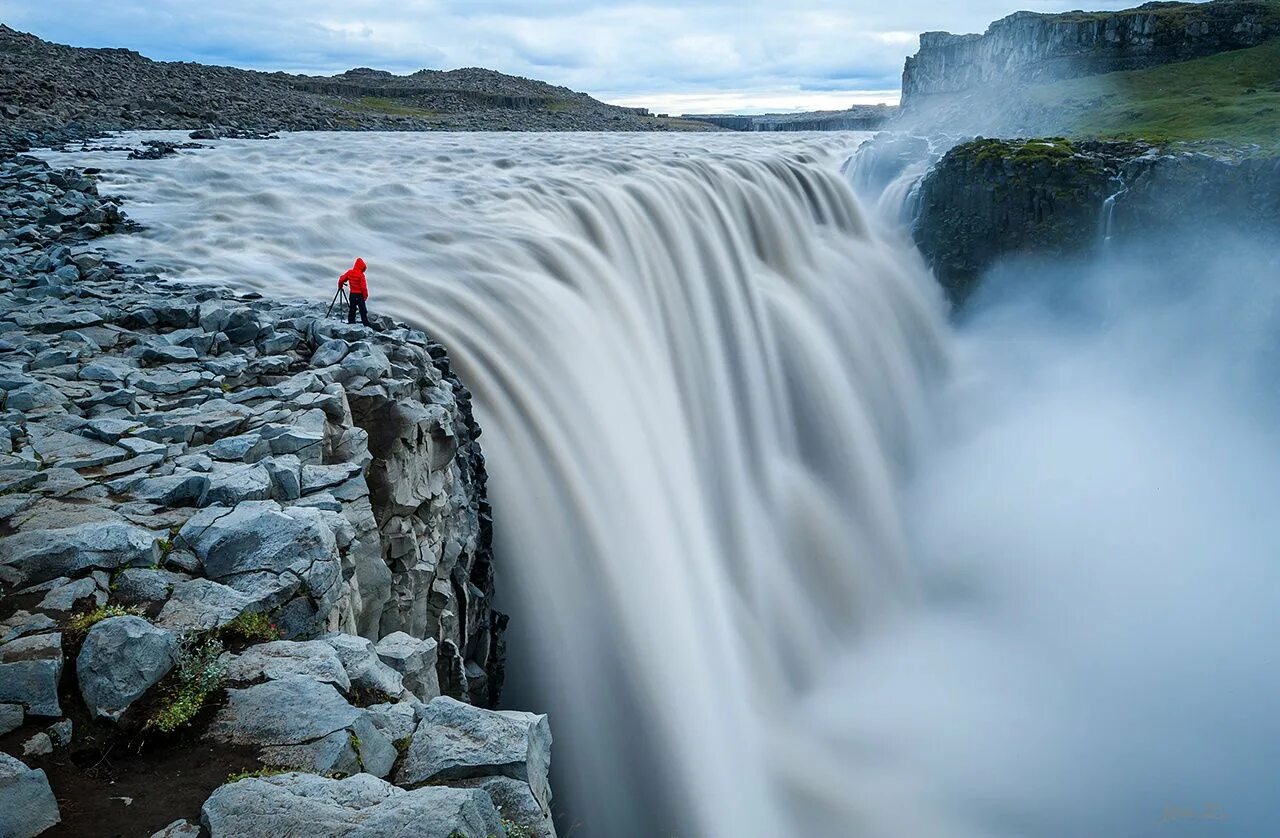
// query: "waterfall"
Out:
[702,373]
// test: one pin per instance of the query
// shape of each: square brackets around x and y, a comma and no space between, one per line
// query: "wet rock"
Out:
[121,659]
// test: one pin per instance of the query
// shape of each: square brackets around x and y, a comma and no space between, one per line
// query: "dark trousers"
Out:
[356,301]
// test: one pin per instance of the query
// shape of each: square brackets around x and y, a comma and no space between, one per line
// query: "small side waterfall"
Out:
[1107,221]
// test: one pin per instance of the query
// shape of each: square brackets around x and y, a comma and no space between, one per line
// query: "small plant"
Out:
[264,771]
[515,830]
[197,675]
[253,628]
[82,622]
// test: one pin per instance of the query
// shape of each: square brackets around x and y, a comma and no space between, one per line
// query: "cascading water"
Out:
[706,381]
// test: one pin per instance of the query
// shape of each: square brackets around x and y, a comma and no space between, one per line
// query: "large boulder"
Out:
[121,659]
[27,805]
[283,558]
[457,741]
[302,804]
[40,555]
[30,669]
[516,803]
[302,723]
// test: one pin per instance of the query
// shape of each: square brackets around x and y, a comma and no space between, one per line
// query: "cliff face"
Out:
[235,533]
[1032,47]
[1053,200]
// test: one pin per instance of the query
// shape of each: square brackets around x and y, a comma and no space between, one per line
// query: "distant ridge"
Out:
[45,86]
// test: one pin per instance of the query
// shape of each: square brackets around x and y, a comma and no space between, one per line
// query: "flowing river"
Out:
[786,553]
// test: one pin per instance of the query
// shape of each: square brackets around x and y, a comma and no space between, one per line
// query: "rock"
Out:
[202,605]
[271,555]
[37,556]
[300,722]
[71,450]
[121,659]
[184,489]
[27,805]
[178,829]
[11,718]
[329,353]
[287,711]
[30,669]
[60,733]
[284,658]
[515,802]
[396,721]
[37,746]
[365,669]
[458,741]
[230,486]
[145,586]
[302,804]
[64,597]
[415,660]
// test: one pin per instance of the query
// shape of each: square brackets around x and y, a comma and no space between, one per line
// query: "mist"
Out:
[1096,534]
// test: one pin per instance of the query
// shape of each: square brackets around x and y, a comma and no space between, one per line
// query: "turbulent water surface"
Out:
[788,557]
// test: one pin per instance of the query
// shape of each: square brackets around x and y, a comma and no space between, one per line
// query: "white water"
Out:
[766,600]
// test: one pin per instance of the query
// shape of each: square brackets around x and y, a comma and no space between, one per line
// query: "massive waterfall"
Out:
[707,377]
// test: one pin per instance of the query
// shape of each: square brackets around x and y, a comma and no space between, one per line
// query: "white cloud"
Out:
[714,55]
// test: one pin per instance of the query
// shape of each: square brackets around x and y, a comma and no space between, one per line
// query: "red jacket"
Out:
[356,277]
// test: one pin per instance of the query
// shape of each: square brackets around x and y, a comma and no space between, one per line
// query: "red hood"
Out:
[359,266]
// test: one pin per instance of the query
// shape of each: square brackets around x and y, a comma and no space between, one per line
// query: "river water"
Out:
[787,554]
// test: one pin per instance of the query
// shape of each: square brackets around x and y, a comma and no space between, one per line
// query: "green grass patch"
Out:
[383,105]
[251,628]
[197,676]
[563,105]
[1232,96]
[265,771]
[82,622]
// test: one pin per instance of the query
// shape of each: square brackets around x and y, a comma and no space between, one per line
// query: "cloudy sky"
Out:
[677,56]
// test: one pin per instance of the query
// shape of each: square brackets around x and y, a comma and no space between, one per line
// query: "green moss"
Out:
[390,107]
[515,830]
[265,771]
[1233,96]
[81,623]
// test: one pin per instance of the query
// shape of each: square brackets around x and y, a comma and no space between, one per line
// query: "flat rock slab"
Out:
[458,741]
[40,555]
[202,605]
[284,658]
[303,804]
[59,448]
[285,712]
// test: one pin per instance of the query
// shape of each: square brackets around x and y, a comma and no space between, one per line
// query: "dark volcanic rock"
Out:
[1051,199]
[49,87]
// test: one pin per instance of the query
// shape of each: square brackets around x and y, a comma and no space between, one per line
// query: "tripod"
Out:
[340,293]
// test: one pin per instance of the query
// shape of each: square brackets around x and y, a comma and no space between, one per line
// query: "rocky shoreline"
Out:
[245,558]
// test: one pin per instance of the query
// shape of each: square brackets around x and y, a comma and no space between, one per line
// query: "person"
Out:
[359,292]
